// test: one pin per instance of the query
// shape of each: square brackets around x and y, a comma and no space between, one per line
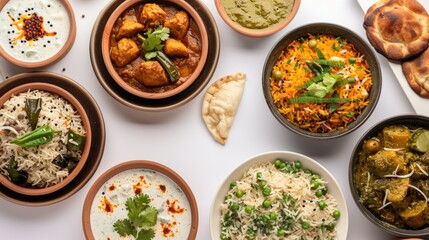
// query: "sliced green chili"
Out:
[18,177]
[33,106]
[318,100]
[330,63]
[35,138]
[75,142]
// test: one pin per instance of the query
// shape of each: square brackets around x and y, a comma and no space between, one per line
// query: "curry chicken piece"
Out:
[125,52]
[398,188]
[385,162]
[175,48]
[415,215]
[178,25]
[152,15]
[129,28]
[396,137]
[151,74]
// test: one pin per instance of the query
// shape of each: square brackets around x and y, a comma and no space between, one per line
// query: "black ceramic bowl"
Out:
[412,122]
[329,29]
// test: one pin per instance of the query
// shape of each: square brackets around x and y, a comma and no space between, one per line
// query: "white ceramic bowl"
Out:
[307,163]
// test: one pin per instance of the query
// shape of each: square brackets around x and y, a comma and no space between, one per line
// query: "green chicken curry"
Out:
[391,176]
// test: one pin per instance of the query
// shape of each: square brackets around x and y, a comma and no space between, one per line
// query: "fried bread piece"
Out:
[416,72]
[397,29]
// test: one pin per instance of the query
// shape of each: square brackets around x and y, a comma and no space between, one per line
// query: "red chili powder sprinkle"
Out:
[106,205]
[137,188]
[112,187]
[172,208]
[167,230]
[162,188]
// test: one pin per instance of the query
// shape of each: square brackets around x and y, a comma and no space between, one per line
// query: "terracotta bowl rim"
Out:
[138,164]
[85,120]
[257,32]
[105,47]
[55,58]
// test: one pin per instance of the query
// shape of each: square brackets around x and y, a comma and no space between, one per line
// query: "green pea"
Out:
[312,43]
[228,197]
[315,176]
[234,207]
[258,175]
[305,225]
[280,233]
[336,214]
[298,165]
[266,191]
[322,204]
[314,184]
[273,216]
[277,75]
[262,183]
[319,193]
[266,204]
[248,209]
[282,165]
[352,60]
[308,171]
[277,163]
[232,185]
[239,193]
[330,226]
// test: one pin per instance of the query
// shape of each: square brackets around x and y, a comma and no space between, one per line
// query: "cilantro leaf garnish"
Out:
[141,217]
[154,39]
[146,234]
[124,228]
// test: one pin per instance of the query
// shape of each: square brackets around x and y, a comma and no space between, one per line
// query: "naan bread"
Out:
[220,105]
[416,72]
[397,29]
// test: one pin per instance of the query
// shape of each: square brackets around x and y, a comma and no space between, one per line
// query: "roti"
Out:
[220,105]
[397,29]
[416,72]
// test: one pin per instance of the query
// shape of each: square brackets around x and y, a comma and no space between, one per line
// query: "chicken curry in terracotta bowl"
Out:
[154,50]
[389,174]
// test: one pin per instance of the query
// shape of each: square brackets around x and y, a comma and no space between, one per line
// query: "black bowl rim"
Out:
[406,119]
[317,28]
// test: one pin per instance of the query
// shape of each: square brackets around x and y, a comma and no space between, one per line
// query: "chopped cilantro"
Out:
[141,217]
[154,39]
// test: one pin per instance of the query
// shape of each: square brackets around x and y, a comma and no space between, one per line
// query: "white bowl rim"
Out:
[334,187]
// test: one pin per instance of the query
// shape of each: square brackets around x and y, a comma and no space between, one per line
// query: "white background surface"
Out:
[179,139]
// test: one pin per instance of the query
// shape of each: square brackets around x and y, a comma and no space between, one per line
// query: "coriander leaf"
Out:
[145,234]
[154,39]
[124,228]
[150,55]
[135,206]
[148,217]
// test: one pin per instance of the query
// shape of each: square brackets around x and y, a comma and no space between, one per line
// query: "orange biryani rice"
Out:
[303,64]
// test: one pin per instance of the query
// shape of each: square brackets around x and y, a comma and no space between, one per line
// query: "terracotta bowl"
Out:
[338,31]
[144,184]
[253,32]
[411,121]
[105,48]
[86,124]
[50,59]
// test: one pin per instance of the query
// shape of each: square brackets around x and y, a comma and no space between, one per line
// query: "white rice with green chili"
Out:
[56,112]
[294,211]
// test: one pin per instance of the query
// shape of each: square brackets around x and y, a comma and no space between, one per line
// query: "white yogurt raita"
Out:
[33,30]
[174,212]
